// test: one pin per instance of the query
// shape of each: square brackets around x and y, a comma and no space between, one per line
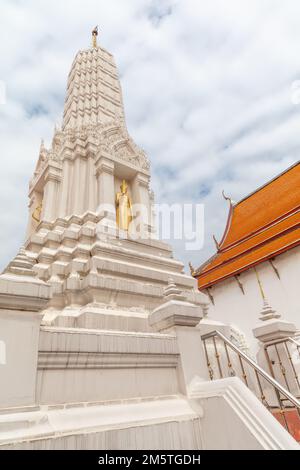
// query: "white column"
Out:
[50,206]
[179,317]
[91,184]
[81,189]
[70,189]
[105,182]
[20,318]
[76,189]
[271,330]
[63,199]
[141,197]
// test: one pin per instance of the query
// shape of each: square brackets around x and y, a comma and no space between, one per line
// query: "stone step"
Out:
[163,423]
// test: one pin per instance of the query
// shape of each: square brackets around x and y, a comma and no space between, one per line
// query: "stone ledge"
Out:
[94,341]
[22,293]
[274,329]
[175,313]
[55,424]
[74,360]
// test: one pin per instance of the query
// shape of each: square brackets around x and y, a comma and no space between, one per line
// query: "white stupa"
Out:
[98,329]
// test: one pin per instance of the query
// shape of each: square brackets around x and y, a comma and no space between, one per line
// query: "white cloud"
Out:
[206,89]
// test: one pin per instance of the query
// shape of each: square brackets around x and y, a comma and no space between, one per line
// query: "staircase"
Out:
[225,359]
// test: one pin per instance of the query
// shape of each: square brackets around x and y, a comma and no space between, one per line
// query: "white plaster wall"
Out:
[201,421]
[19,333]
[100,384]
[232,418]
[80,366]
[243,310]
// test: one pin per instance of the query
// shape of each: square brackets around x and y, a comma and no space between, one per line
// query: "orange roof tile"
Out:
[261,226]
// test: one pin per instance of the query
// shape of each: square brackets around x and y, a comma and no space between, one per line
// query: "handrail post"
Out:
[273,354]
[180,317]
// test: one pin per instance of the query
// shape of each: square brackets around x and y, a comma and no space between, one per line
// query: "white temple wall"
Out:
[243,310]
[112,382]
[233,418]
[200,421]
[86,366]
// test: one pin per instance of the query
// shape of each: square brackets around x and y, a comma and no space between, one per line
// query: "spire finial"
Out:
[227,198]
[94,37]
[192,269]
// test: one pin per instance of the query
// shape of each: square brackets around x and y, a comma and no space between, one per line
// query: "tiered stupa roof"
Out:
[93,92]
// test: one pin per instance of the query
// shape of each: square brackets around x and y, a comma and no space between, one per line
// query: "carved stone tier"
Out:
[101,280]
[93,90]
[83,169]
[100,277]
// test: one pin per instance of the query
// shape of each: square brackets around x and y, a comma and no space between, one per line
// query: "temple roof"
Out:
[93,92]
[259,227]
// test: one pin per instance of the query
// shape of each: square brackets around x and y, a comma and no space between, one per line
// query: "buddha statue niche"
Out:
[123,207]
[36,215]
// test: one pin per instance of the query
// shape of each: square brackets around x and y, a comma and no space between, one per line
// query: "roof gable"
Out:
[265,223]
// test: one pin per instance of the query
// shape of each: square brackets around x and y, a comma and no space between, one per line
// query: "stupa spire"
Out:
[94,93]
[94,37]
[92,153]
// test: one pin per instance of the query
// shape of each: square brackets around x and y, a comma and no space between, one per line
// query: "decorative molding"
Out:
[90,360]
[103,164]
[23,303]
[30,295]
[54,173]
[142,180]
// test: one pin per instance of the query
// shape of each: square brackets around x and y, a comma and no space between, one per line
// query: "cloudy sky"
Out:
[207,85]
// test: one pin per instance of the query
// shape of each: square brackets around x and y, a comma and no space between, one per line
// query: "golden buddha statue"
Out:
[36,215]
[123,207]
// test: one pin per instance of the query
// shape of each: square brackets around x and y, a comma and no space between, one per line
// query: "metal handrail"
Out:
[294,341]
[255,366]
[282,366]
